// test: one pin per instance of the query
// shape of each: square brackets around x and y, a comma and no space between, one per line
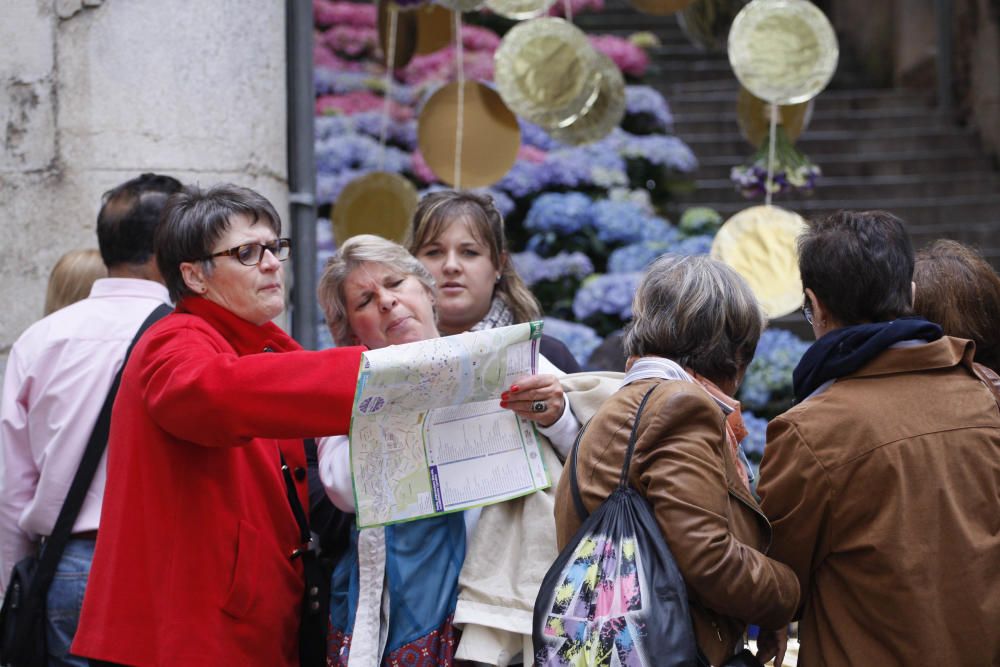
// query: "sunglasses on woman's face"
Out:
[807,311]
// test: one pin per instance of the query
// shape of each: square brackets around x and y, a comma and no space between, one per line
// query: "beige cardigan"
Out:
[512,548]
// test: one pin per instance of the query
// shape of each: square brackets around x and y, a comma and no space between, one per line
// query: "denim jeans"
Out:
[65,600]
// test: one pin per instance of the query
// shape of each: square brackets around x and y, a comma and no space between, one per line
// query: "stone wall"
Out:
[94,92]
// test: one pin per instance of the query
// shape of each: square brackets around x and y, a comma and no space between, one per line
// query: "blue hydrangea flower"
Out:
[606,294]
[368,123]
[624,222]
[769,376]
[561,213]
[357,151]
[662,150]
[533,135]
[636,257]
[694,245]
[644,99]
[533,268]
[579,338]
[753,444]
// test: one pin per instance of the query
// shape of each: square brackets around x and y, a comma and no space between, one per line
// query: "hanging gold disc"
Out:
[379,203]
[491,136]
[406,34]
[433,28]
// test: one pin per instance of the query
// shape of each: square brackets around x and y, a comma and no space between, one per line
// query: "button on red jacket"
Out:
[192,561]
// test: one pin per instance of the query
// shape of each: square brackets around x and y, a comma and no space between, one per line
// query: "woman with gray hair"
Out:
[695,328]
[394,592]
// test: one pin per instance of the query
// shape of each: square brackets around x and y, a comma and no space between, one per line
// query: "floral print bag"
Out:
[614,596]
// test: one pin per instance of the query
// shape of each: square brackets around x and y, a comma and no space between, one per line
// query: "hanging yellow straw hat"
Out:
[547,72]
[760,243]
[605,114]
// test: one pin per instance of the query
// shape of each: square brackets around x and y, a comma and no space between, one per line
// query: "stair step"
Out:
[843,142]
[867,164]
[821,120]
[691,101]
[915,211]
[877,187]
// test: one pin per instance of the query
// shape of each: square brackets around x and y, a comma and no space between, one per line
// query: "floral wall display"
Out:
[583,221]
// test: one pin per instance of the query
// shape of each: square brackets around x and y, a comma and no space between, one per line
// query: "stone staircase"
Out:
[878,148]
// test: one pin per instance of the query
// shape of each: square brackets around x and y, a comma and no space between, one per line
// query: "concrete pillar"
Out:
[93,92]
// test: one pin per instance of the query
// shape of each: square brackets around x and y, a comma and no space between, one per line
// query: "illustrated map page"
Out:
[428,435]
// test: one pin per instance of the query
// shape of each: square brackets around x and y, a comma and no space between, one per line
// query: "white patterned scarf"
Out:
[499,315]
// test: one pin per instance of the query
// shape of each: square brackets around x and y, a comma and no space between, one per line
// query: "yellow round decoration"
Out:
[379,203]
[547,72]
[406,33]
[783,51]
[491,136]
[519,10]
[434,28]
[754,117]
[606,113]
[659,7]
[760,243]
[706,22]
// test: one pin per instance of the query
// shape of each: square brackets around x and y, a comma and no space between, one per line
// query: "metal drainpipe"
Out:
[301,168]
[945,45]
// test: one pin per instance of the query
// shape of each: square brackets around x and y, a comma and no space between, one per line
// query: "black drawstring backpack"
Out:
[614,596]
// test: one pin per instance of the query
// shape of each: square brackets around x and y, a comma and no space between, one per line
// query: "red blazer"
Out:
[192,561]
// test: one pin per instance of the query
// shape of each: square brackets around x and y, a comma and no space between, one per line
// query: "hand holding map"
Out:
[428,434]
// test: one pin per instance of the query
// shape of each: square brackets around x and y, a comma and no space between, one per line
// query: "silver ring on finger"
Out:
[539,406]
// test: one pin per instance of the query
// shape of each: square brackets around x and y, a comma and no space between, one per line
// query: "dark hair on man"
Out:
[959,290]
[195,219]
[129,216]
[860,265]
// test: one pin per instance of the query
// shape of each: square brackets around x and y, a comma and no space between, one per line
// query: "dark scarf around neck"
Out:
[845,350]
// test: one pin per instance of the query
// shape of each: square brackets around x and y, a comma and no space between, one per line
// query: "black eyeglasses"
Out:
[250,254]
[807,311]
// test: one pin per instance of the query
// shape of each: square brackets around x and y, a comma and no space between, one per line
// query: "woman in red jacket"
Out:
[197,553]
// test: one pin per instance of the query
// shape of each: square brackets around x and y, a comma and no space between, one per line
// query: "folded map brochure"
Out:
[428,435]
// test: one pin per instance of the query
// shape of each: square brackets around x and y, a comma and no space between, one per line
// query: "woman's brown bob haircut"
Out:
[959,290]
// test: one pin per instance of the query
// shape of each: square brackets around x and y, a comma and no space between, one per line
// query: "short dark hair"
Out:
[130,214]
[959,290]
[194,219]
[860,265]
[698,312]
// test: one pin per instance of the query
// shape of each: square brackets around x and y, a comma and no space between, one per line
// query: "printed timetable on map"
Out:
[428,435]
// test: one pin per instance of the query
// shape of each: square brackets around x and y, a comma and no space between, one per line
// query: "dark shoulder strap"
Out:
[63,528]
[574,485]
[623,482]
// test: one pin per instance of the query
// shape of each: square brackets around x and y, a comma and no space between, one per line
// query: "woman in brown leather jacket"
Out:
[695,328]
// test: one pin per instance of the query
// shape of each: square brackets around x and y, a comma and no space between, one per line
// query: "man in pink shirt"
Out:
[58,374]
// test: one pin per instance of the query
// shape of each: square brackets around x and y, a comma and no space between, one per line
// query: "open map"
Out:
[428,434]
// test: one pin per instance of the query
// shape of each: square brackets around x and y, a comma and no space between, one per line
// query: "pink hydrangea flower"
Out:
[440,66]
[351,40]
[531,154]
[327,13]
[324,57]
[421,169]
[630,59]
[360,101]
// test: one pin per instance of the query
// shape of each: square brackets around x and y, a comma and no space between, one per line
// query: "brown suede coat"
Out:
[884,494]
[686,470]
